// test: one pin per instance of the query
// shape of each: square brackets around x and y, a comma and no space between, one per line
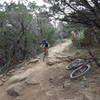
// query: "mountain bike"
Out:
[45,53]
[81,66]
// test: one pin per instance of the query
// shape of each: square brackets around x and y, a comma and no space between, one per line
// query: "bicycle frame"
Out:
[93,58]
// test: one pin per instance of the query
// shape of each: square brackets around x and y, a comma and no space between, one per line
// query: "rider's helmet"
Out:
[44,40]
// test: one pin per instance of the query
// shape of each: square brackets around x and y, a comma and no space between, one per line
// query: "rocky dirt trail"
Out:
[38,80]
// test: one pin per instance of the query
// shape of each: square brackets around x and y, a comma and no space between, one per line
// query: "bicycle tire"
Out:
[74,64]
[45,55]
[80,69]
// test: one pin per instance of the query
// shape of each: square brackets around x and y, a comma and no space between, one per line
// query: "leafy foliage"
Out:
[85,12]
[22,28]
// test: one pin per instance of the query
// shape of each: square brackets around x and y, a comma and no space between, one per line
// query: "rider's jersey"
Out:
[44,43]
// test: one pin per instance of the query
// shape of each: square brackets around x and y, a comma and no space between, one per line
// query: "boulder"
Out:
[30,81]
[12,71]
[51,61]
[77,53]
[63,58]
[4,79]
[15,89]
[80,97]
[1,83]
[1,76]
[33,61]
[19,98]
[71,58]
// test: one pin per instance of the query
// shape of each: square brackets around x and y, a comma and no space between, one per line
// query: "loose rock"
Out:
[34,61]
[67,84]
[30,81]
[19,98]
[51,62]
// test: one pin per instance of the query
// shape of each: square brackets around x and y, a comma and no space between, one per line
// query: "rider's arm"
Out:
[41,44]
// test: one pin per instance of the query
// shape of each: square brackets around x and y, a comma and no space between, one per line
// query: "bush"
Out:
[82,41]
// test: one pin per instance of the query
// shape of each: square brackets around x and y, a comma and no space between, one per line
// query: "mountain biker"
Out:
[73,36]
[44,44]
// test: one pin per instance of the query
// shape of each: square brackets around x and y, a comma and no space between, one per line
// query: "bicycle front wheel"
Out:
[80,71]
[45,55]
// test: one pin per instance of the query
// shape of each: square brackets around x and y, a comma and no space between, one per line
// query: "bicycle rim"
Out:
[80,71]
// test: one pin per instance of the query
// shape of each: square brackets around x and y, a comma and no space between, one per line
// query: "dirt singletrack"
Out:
[46,82]
[41,74]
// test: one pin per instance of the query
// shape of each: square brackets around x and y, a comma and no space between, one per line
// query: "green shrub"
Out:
[82,41]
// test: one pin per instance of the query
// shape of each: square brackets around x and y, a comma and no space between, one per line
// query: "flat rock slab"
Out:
[21,76]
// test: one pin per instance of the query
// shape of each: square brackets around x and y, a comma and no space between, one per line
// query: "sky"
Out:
[39,2]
